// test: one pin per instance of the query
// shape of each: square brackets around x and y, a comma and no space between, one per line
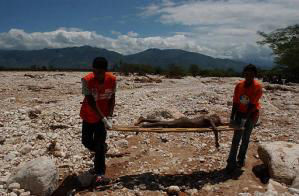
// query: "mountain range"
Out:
[81,58]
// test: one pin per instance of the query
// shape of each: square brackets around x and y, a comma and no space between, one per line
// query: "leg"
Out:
[234,148]
[87,135]
[100,148]
[231,161]
[245,141]
[215,130]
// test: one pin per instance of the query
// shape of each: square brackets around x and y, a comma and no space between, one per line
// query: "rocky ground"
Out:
[39,108]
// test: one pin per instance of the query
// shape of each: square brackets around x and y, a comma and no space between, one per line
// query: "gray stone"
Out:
[294,191]
[12,194]
[27,193]
[3,180]
[39,176]
[244,194]
[295,183]
[191,192]
[26,149]
[122,143]
[14,185]
[173,189]
[281,160]
[10,156]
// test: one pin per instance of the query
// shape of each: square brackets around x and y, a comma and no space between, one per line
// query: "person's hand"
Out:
[107,123]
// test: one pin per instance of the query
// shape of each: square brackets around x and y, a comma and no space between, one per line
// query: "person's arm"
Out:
[236,103]
[234,111]
[91,102]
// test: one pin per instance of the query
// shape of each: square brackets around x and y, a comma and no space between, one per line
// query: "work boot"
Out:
[240,163]
[230,168]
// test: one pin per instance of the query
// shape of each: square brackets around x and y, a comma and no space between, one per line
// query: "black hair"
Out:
[100,63]
[250,67]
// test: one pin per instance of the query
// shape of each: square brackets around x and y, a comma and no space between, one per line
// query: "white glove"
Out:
[107,123]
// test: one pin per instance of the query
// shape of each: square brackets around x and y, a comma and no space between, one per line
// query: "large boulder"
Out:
[39,176]
[281,158]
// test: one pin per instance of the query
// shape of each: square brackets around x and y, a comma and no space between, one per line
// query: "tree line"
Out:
[172,70]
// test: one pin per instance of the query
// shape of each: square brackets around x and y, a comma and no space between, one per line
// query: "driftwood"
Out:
[167,130]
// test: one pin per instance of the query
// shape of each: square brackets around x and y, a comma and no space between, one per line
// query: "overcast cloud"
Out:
[224,28]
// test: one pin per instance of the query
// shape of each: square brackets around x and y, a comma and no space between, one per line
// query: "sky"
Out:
[218,28]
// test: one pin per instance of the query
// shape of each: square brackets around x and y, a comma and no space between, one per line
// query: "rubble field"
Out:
[39,108]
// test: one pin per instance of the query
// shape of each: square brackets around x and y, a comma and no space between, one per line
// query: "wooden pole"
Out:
[167,130]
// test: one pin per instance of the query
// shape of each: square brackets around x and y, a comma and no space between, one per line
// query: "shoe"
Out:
[240,164]
[230,169]
[101,180]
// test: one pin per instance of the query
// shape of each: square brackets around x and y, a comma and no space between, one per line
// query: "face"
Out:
[249,76]
[99,73]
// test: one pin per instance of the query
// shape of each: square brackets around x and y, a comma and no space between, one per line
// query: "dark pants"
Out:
[94,138]
[238,135]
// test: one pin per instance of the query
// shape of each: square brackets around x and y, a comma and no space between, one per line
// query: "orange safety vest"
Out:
[101,94]
[243,96]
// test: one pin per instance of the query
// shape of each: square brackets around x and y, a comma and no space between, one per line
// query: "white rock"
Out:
[14,185]
[244,194]
[192,192]
[27,193]
[12,194]
[39,176]
[281,159]
[173,189]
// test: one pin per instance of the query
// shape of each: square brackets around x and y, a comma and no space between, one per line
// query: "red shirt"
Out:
[101,94]
[247,95]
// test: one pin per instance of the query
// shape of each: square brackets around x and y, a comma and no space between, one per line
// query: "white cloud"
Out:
[228,27]
[124,43]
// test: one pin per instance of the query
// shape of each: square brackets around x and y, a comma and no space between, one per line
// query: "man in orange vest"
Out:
[244,115]
[98,88]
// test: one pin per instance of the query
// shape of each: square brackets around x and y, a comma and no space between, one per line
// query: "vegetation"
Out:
[285,45]
[173,70]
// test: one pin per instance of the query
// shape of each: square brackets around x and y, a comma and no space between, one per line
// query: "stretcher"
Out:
[168,130]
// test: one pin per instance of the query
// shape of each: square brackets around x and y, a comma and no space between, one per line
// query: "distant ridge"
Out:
[81,58]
